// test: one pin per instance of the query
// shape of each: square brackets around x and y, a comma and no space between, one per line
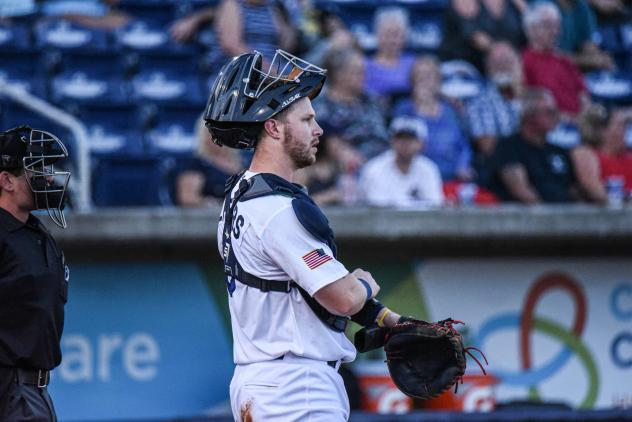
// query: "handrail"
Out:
[83,202]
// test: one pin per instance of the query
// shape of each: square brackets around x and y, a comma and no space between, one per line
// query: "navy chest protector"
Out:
[307,213]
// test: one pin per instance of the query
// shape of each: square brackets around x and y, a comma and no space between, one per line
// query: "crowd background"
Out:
[428,103]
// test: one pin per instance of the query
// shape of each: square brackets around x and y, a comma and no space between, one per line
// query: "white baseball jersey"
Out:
[383,184]
[269,242]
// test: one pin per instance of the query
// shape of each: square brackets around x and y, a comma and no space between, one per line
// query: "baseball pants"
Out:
[288,389]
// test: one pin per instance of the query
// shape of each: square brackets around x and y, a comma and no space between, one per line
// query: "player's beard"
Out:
[300,155]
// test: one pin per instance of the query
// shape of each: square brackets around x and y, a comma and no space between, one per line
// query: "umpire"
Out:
[33,273]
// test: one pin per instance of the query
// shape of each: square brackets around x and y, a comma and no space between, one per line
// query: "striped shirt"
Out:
[260,30]
[489,114]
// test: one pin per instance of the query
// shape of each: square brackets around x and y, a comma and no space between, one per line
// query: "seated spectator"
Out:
[544,66]
[525,167]
[388,71]
[603,157]
[402,176]
[344,104]
[201,182]
[95,14]
[246,25]
[471,27]
[494,113]
[446,145]
[578,27]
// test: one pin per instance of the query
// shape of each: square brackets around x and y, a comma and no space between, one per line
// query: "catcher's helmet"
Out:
[36,152]
[244,96]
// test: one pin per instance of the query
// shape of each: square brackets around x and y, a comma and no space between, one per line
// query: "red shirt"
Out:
[556,73]
[616,165]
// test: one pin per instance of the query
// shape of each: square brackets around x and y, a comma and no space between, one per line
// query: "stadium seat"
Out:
[168,78]
[90,77]
[461,80]
[149,30]
[63,34]
[130,181]
[610,88]
[112,129]
[24,69]
[565,135]
[173,130]
[14,36]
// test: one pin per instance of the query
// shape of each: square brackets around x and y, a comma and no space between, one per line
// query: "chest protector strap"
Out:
[308,214]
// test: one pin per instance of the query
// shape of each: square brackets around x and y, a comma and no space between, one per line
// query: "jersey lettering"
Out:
[239,223]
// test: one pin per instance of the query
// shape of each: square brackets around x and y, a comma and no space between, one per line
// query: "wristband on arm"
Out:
[369,291]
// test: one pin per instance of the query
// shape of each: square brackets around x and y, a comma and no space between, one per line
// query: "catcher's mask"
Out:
[244,96]
[36,152]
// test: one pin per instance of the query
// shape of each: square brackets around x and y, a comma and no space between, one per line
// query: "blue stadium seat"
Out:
[565,135]
[90,77]
[23,68]
[130,181]
[14,36]
[610,88]
[168,79]
[461,80]
[62,34]
[112,129]
[425,35]
[149,30]
[174,130]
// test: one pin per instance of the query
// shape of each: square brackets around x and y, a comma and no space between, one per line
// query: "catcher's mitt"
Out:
[425,359]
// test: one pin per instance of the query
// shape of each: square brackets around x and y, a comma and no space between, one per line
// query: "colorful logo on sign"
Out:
[528,322]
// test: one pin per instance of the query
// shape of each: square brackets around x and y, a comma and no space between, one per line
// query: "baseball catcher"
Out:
[424,359]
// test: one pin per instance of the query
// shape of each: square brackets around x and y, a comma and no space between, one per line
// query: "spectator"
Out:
[495,112]
[578,26]
[202,181]
[344,104]
[401,176]
[545,67]
[471,27]
[247,25]
[388,72]
[525,167]
[603,157]
[446,145]
[610,12]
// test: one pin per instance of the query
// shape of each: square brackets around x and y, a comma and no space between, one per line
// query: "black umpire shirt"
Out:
[33,292]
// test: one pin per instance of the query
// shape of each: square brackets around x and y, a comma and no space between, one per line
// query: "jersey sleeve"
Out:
[307,260]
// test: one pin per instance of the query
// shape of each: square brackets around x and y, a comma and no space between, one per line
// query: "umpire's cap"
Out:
[244,96]
[13,148]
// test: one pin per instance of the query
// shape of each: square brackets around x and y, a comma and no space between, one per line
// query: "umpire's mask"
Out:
[37,151]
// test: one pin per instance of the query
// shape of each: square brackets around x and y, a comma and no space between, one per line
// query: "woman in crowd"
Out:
[446,145]
[603,162]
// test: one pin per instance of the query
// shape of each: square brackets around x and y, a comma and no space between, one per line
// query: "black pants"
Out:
[23,402]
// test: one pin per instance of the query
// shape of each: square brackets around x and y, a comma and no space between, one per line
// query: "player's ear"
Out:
[273,128]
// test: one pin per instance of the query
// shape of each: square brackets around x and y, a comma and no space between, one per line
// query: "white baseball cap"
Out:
[407,125]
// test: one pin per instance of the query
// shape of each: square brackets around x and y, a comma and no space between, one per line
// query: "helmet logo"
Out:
[290,100]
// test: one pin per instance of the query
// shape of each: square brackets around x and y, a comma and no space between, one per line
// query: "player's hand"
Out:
[365,275]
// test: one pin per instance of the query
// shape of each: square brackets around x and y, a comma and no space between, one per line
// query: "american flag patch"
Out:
[316,258]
